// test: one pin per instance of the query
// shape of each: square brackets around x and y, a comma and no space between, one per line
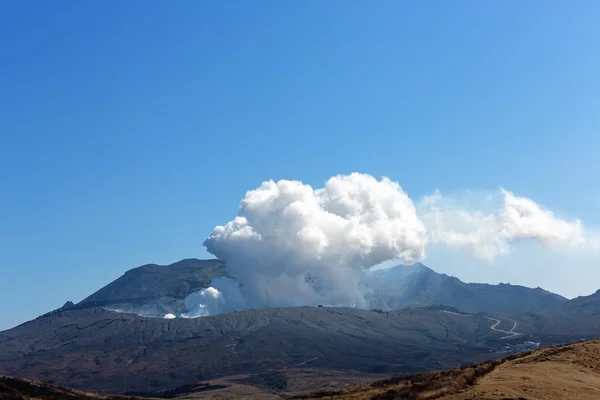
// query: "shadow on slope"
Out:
[20,389]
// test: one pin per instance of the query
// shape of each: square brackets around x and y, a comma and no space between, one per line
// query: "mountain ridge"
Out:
[155,290]
[418,284]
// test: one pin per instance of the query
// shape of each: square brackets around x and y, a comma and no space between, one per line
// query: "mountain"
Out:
[96,345]
[583,305]
[155,290]
[415,284]
[99,350]
[579,316]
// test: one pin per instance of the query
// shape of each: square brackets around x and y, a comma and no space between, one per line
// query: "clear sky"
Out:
[128,130]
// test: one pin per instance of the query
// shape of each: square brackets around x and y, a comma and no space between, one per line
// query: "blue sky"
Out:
[128,130]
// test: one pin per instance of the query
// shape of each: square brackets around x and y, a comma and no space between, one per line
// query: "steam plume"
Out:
[294,245]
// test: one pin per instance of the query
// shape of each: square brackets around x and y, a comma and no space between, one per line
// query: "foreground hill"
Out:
[563,372]
[20,389]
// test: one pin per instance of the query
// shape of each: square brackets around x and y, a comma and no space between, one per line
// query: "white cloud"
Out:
[293,245]
[287,230]
[490,233]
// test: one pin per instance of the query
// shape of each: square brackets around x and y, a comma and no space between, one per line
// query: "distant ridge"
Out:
[155,290]
[416,284]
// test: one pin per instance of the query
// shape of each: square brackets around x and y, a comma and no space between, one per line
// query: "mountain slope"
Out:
[579,316]
[588,305]
[402,286]
[93,349]
[154,290]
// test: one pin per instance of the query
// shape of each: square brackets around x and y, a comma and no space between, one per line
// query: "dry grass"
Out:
[559,372]
[423,386]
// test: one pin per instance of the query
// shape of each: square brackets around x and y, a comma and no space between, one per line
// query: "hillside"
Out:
[577,317]
[557,373]
[93,349]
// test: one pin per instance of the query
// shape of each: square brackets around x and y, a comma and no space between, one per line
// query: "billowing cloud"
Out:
[292,244]
[489,233]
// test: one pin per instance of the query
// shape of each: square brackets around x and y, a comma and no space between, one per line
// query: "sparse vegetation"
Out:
[526,372]
[431,385]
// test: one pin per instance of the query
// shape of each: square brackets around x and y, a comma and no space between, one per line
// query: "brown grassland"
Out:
[561,372]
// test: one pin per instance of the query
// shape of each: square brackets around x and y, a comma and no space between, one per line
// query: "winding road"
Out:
[510,334]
